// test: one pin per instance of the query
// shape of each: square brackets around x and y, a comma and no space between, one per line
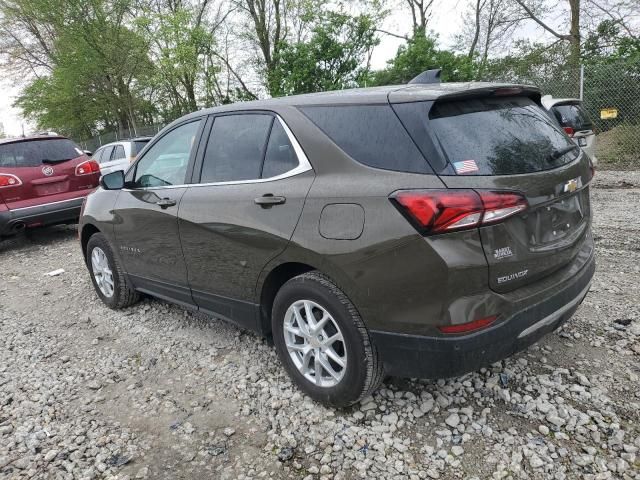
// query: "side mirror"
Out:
[113,180]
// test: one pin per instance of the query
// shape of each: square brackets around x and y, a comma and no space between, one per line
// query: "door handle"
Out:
[166,203]
[269,200]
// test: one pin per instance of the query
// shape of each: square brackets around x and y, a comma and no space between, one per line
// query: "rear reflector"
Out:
[470,326]
[9,180]
[441,211]
[87,168]
[570,131]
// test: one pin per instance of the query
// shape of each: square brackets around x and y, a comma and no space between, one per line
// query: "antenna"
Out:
[426,77]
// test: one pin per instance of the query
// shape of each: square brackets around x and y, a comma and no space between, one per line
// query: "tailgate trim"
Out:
[550,319]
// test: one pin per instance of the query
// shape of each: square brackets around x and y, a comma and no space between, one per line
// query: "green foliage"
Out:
[420,54]
[92,83]
[179,44]
[333,57]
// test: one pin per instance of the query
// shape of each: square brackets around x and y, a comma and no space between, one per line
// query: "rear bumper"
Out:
[52,213]
[416,356]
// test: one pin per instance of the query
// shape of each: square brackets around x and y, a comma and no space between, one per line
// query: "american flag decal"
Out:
[466,166]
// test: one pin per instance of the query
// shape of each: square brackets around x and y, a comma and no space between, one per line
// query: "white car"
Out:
[119,155]
[573,117]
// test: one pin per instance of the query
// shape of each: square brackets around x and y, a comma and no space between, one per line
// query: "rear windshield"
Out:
[574,116]
[499,136]
[32,153]
[370,134]
[138,145]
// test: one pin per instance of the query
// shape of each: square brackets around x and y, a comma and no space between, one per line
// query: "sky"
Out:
[446,22]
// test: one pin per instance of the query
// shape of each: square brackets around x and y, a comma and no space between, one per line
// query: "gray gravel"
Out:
[157,392]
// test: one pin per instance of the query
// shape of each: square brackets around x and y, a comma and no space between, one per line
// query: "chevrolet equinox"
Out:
[421,230]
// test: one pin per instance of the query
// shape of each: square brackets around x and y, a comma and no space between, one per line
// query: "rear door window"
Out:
[236,148]
[573,115]
[371,135]
[106,155]
[97,155]
[33,153]
[118,153]
[499,136]
[137,146]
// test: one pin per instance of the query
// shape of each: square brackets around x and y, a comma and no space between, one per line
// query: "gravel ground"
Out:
[157,392]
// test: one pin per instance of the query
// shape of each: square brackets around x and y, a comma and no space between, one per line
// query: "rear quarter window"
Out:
[32,153]
[499,136]
[371,135]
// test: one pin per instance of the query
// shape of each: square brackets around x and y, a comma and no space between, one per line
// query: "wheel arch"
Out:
[88,230]
[276,274]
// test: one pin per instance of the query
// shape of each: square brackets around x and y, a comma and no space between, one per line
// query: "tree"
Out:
[94,63]
[536,10]
[271,23]
[420,54]
[334,57]
[489,25]
[180,41]
[420,14]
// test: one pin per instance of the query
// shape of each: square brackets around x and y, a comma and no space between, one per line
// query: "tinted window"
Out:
[236,148]
[370,134]
[280,156]
[165,163]
[97,154]
[137,146]
[33,153]
[573,116]
[106,154]
[119,154]
[499,136]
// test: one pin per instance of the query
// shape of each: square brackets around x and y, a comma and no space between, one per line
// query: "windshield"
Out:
[32,153]
[499,136]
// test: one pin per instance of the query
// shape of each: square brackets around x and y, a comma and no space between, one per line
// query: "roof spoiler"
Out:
[428,76]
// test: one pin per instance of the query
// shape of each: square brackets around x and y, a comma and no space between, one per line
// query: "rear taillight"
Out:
[9,180]
[569,131]
[87,168]
[440,211]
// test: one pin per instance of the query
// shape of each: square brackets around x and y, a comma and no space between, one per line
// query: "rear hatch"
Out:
[509,143]
[43,167]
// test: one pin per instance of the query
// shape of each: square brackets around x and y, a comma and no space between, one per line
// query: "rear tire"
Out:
[116,292]
[350,368]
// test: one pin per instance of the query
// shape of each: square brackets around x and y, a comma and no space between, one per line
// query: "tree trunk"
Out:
[574,33]
[476,35]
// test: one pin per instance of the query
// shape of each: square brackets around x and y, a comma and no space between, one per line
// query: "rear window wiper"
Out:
[60,160]
[556,154]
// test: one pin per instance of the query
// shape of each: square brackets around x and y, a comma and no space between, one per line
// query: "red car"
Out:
[43,181]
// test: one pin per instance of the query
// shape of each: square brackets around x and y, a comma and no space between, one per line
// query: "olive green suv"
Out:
[420,230]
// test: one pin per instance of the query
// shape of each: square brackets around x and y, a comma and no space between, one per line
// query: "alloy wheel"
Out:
[102,272]
[315,343]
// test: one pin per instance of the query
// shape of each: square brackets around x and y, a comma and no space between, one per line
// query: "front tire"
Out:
[111,283]
[323,343]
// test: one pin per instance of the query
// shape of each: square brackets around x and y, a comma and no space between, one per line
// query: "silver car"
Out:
[573,117]
[119,155]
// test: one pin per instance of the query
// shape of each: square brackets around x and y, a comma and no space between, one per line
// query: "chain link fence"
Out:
[611,95]
[92,144]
